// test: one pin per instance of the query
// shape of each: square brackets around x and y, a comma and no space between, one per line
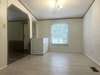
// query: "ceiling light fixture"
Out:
[55,4]
[58,5]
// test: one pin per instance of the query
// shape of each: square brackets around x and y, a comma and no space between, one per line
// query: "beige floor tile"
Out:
[52,64]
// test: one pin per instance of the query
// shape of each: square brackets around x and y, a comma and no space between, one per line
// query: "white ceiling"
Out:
[71,8]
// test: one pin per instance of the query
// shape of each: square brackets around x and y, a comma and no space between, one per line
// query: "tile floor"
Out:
[52,64]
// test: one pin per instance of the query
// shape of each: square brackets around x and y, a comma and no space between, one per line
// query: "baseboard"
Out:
[95,61]
[1,68]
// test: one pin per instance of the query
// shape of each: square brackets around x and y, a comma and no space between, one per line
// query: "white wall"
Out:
[75,34]
[92,32]
[3,33]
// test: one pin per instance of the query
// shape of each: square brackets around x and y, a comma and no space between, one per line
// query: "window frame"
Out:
[66,35]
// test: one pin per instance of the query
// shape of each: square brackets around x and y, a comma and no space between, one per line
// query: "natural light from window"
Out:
[59,33]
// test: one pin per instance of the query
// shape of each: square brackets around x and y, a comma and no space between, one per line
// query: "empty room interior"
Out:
[49,37]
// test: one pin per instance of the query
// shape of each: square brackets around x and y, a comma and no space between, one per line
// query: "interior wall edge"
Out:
[88,8]
[95,61]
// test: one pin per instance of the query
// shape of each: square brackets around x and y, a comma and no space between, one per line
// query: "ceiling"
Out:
[15,14]
[70,8]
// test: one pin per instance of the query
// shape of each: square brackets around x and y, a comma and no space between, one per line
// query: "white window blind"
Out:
[59,34]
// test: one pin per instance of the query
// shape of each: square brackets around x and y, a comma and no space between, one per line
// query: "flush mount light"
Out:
[55,4]
[58,5]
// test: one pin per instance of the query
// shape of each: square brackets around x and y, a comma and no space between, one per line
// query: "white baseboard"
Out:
[37,53]
[95,61]
[1,68]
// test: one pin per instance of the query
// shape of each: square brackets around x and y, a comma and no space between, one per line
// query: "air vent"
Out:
[94,69]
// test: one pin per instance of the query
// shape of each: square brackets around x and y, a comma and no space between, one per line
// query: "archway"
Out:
[18,34]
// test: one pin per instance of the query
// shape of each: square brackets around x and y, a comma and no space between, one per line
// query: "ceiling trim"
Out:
[61,18]
[17,20]
[89,8]
[27,8]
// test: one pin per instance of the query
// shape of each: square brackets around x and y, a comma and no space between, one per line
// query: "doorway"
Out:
[18,34]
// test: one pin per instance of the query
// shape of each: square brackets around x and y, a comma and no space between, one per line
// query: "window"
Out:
[59,34]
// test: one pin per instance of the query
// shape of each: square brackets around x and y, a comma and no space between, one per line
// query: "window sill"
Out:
[60,44]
